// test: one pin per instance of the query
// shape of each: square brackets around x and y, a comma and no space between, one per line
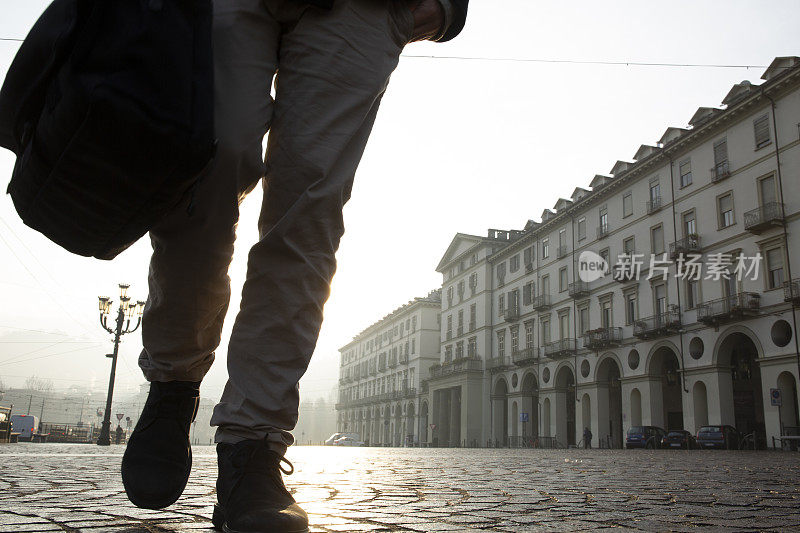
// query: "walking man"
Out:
[587,437]
[330,61]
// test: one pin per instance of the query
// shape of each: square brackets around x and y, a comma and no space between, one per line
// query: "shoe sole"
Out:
[220,524]
[156,505]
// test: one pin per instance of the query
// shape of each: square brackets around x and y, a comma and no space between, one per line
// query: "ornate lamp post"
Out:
[126,312]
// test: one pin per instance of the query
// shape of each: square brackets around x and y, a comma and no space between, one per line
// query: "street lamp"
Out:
[126,312]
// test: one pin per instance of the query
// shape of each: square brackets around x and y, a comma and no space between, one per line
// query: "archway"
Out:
[397,439]
[565,405]
[586,414]
[500,413]
[365,436]
[636,407]
[666,393]
[410,431]
[423,423]
[609,399]
[530,407]
[546,418]
[515,424]
[738,353]
[788,410]
[700,401]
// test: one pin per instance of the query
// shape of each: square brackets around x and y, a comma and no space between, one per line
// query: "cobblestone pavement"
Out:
[48,487]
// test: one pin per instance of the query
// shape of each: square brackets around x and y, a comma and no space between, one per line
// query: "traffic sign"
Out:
[775,397]
[119,416]
[523,417]
[433,426]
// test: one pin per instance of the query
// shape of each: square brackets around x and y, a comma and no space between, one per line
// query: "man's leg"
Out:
[189,284]
[333,69]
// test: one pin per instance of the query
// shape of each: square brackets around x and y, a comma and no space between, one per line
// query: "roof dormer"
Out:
[644,151]
[562,204]
[599,181]
[780,65]
[738,92]
[579,194]
[702,115]
[620,167]
[531,225]
[670,135]
[547,215]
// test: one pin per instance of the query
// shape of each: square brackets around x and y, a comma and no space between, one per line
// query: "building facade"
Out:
[663,294]
[382,394]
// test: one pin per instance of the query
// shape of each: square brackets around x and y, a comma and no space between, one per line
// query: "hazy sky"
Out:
[459,146]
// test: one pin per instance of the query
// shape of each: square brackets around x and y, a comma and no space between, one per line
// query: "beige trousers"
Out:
[331,68]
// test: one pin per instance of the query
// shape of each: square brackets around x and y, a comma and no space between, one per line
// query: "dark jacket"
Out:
[459,17]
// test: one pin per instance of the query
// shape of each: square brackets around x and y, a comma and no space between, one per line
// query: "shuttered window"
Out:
[761,127]
[725,203]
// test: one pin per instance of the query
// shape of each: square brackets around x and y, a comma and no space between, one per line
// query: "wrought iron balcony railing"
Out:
[659,325]
[720,171]
[602,231]
[498,364]
[654,204]
[541,302]
[457,366]
[596,339]
[734,307]
[791,291]
[511,314]
[686,246]
[525,356]
[560,348]
[764,217]
[578,289]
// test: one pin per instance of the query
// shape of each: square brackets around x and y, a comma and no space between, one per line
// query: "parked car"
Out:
[347,441]
[720,437]
[333,438]
[644,437]
[679,438]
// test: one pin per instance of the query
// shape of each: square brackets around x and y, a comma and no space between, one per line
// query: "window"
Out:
[657,239]
[545,248]
[460,321]
[449,332]
[605,253]
[513,299]
[460,350]
[501,343]
[473,282]
[528,293]
[563,280]
[473,260]
[725,210]
[721,166]
[514,339]
[627,204]
[692,293]
[606,316]
[413,346]
[528,257]
[545,285]
[630,308]
[514,263]
[774,268]
[685,170]
[562,238]
[604,220]
[472,318]
[563,325]
[529,334]
[761,131]
[472,347]
[449,296]
[501,273]
[461,290]
[413,323]
[545,335]
[766,190]
[448,353]
[501,304]
[628,246]
[581,228]
[583,320]
[655,192]
[660,299]
[689,223]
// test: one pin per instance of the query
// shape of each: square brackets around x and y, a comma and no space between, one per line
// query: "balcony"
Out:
[735,307]
[596,339]
[720,171]
[578,289]
[689,245]
[458,366]
[602,231]
[529,266]
[511,314]
[423,387]
[498,364]
[791,292]
[562,251]
[763,218]
[560,348]
[660,325]
[403,359]
[525,356]
[541,302]
[409,392]
[654,204]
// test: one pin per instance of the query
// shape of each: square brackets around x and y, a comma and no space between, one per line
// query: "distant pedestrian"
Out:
[587,438]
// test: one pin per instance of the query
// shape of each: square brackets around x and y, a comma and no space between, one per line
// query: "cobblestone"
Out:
[46,487]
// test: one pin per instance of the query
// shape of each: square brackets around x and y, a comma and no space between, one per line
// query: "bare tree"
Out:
[39,384]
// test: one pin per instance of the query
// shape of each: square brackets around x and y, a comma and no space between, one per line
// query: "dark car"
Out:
[721,437]
[679,439]
[644,437]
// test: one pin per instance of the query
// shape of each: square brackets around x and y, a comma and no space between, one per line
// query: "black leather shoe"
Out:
[251,494]
[158,458]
